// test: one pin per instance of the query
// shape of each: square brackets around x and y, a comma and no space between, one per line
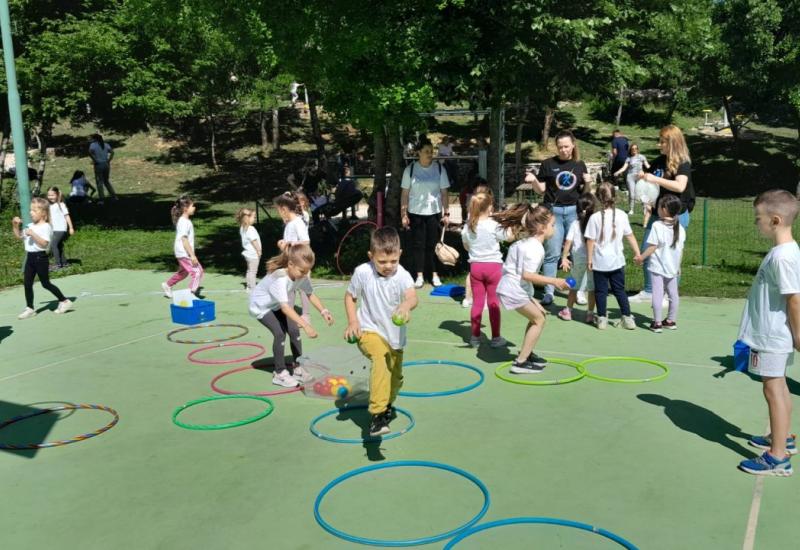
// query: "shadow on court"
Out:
[30,431]
[701,422]
[361,418]
[726,361]
[5,332]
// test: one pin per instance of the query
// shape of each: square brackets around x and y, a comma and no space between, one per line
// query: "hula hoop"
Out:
[261,393]
[526,382]
[191,355]
[360,440]
[551,521]
[75,439]
[399,464]
[266,412]
[445,392]
[344,238]
[184,329]
[626,380]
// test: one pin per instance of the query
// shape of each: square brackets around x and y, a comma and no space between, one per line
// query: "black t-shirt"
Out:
[658,167]
[563,181]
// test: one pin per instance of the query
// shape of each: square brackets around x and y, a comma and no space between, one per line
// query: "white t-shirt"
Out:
[665,261]
[424,188]
[445,150]
[608,255]
[78,187]
[636,164]
[524,255]
[58,216]
[295,231]
[99,154]
[276,289]
[377,298]
[578,246]
[765,324]
[44,231]
[484,244]
[183,228]
[248,236]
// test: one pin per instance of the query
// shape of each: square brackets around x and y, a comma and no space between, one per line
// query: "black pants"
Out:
[36,263]
[616,279]
[425,231]
[280,326]
[57,246]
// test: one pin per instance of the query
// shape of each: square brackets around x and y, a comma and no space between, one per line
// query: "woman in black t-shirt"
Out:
[672,172]
[561,180]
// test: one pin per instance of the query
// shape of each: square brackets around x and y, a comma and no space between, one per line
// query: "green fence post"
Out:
[703,254]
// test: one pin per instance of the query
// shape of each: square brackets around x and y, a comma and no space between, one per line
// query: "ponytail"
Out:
[524,218]
[181,204]
[479,204]
[297,253]
[606,196]
[672,205]
[290,201]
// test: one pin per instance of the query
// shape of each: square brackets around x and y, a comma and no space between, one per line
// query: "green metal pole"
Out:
[704,256]
[15,113]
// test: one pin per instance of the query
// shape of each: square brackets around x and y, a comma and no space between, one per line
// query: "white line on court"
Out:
[755,508]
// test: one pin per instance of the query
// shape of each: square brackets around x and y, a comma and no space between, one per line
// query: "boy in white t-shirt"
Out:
[387,296]
[771,327]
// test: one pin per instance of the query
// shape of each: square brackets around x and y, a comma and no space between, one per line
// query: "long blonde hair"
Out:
[524,219]
[479,204]
[297,253]
[606,196]
[677,151]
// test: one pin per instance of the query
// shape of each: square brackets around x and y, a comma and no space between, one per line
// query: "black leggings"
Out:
[616,279]
[36,263]
[57,247]
[280,326]
[425,231]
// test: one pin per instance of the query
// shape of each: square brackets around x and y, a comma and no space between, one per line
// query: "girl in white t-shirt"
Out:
[520,272]
[37,237]
[272,303]
[665,249]
[188,265]
[305,207]
[481,237]
[295,231]
[574,244]
[606,261]
[61,222]
[251,244]
[635,164]
[80,188]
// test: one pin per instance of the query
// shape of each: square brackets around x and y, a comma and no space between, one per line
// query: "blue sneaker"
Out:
[767,465]
[765,442]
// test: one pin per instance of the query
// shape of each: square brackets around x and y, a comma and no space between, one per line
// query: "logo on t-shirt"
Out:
[658,172]
[566,181]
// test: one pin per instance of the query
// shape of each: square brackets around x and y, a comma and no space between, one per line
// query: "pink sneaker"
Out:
[590,317]
[565,314]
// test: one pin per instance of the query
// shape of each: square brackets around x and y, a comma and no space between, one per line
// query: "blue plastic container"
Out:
[741,356]
[202,311]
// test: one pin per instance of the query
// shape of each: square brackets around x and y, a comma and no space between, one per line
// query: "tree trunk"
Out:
[549,114]
[673,104]
[316,130]
[392,202]
[496,159]
[212,128]
[731,120]
[379,179]
[522,115]
[262,123]
[619,107]
[276,129]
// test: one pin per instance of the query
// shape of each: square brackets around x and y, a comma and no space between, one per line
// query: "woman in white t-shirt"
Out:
[37,238]
[423,202]
[251,244]
[574,244]
[188,264]
[606,261]
[61,222]
[665,250]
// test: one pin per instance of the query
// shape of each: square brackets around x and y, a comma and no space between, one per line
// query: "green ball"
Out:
[352,339]
[398,320]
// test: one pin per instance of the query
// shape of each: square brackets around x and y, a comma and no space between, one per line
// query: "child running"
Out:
[251,244]
[520,272]
[478,186]
[62,226]
[606,261]
[575,244]
[665,246]
[294,232]
[481,237]
[272,303]
[37,238]
[384,292]
[771,327]
[182,211]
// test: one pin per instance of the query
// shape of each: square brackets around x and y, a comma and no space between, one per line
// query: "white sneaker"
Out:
[641,298]
[300,374]
[628,322]
[498,342]
[419,282]
[167,290]
[582,301]
[474,341]
[283,378]
[27,314]
[602,323]
[466,302]
[64,306]
[436,281]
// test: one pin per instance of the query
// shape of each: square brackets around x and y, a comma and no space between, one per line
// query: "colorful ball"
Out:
[342,392]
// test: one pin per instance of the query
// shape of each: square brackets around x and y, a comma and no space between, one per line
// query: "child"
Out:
[520,273]
[37,238]
[574,243]
[385,292]
[294,232]
[305,207]
[603,235]
[481,237]
[634,164]
[251,244]
[272,303]
[771,327]
[182,210]
[79,184]
[62,226]
[665,245]
[478,185]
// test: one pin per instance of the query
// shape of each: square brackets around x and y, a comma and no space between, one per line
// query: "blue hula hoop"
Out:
[398,464]
[360,440]
[551,521]
[445,392]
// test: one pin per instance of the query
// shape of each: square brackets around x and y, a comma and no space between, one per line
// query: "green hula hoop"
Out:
[266,412]
[527,382]
[658,364]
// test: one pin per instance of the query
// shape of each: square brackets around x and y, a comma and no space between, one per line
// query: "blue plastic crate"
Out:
[741,356]
[202,311]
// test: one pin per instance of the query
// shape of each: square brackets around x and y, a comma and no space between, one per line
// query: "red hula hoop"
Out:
[261,393]
[261,352]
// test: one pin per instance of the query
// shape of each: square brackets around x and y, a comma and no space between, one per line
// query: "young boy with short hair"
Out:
[771,327]
[386,295]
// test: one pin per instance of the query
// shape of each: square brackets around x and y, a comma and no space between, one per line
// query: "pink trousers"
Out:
[185,268]
[484,278]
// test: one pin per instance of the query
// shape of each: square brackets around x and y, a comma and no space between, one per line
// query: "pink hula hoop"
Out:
[344,238]
[240,369]
[261,352]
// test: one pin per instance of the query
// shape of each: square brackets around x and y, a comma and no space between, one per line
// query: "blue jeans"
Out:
[616,280]
[565,215]
[683,219]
